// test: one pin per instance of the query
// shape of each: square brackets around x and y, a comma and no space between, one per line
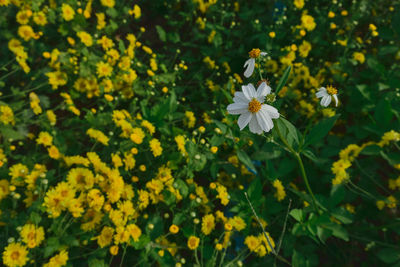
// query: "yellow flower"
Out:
[174,229]
[7,115]
[208,224]
[95,199]
[359,57]
[85,38]
[4,188]
[51,117]
[307,22]
[57,78]
[280,193]
[98,136]
[53,152]
[4,2]
[180,141]
[26,32]
[193,242]
[389,137]
[114,250]
[237,223]
[44,139]
[155,147]
[105,237]
[252,242]
[146,124]
[15,255]
[134,231]
[101,23]
[214,149]
[58,260]
[137,135]
[211,36]
[104,69]
[23,16]
[80,178]
[108,3]
[40,18]
[304,48]
[68,12]
[136,12]
[298,4]
[190,119]
[32,235]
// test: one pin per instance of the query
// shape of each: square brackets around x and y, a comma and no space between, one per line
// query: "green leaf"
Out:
[343,215]
[161,33]
[383,113]
[323,234]
[35,218]
[292,134]
[245,159]
[182,187]
[389,255]
[255,190]
[297,214]
[178,218]
[143,241]
[320,130]
[93,262]
[338,231]
[52,246]
[169,198]
[283,80]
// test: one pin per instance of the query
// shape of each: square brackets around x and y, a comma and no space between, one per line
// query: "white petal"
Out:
[272,112]
[249,91]
[263,54]
[321,92]
[240,98]
[263,90]
[244,119]
[336,99]
[264,121]
[326,100]
[254,126]
[249,65]
[237,108]
[252,89]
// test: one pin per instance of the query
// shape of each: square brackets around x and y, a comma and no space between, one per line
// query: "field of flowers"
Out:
[199,133]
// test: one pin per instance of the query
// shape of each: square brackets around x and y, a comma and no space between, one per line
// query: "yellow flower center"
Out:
[254,106]
[255,53]
[331,90]
[15,255]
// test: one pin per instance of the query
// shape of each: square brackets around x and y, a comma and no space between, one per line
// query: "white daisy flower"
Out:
[326,95]
[251,62]
[249,104]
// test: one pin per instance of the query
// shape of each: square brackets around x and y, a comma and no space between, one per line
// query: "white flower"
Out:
[249,104]
[251,62]
[326,95]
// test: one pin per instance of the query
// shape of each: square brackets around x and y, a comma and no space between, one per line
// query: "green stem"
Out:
[123,256]
[8,74]
[261,226]
[303,171]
